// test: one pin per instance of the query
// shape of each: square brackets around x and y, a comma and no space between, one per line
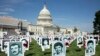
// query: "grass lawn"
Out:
[73,50]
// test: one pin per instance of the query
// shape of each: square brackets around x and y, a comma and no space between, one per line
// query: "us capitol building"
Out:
[45,24]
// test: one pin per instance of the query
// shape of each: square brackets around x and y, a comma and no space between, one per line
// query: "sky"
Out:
[65,13]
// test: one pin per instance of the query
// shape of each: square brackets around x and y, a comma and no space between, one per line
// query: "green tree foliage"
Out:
[58,29]
[2,53]
[96,23]
[75,29]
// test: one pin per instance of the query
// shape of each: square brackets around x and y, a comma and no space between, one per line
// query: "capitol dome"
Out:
[44,17]
[44,11]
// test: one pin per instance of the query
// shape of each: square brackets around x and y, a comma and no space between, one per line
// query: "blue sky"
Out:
[66,13]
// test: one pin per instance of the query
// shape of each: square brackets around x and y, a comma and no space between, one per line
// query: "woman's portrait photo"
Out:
[45,41]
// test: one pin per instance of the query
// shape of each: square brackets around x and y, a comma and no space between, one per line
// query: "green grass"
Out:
[2,53]
[73,50]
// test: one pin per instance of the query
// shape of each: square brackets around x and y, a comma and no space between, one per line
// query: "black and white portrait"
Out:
[15,49]
[0,43]
[66,41]
[90,36]
[4,42]
[90,47]
[79,41]
[4,45]
[58,49]
[96,37]
[25,43]
[40,40]
[45,41]
[56,38]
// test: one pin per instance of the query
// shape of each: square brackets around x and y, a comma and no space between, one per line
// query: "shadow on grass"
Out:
[67,51]
[45,53]
[78,50]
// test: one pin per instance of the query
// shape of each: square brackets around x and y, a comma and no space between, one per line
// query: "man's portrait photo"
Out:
[58,49]
[15,49]
[90,47]
[79,41]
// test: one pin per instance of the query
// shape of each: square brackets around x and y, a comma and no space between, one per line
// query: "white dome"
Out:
[44,11]
[44,17]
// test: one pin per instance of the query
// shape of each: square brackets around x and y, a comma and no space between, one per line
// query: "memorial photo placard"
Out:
[15,49]
[90,47]
[80,41]
[45,43]
[25,44]
[96,37]
[58,48]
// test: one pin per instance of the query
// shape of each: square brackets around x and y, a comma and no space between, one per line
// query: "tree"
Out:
[58,29]
[20,25]
[75,30]
[96,23]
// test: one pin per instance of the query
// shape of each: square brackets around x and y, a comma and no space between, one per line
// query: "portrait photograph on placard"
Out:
[90,36]
[58,48]
[66,41]
[56,38]
[49,27]
[0,43]
[6,50]
[96,37]
[80,40]
[90,47]
[45,41]
[4,45]
[40,40]
[25,43]
[15,49]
